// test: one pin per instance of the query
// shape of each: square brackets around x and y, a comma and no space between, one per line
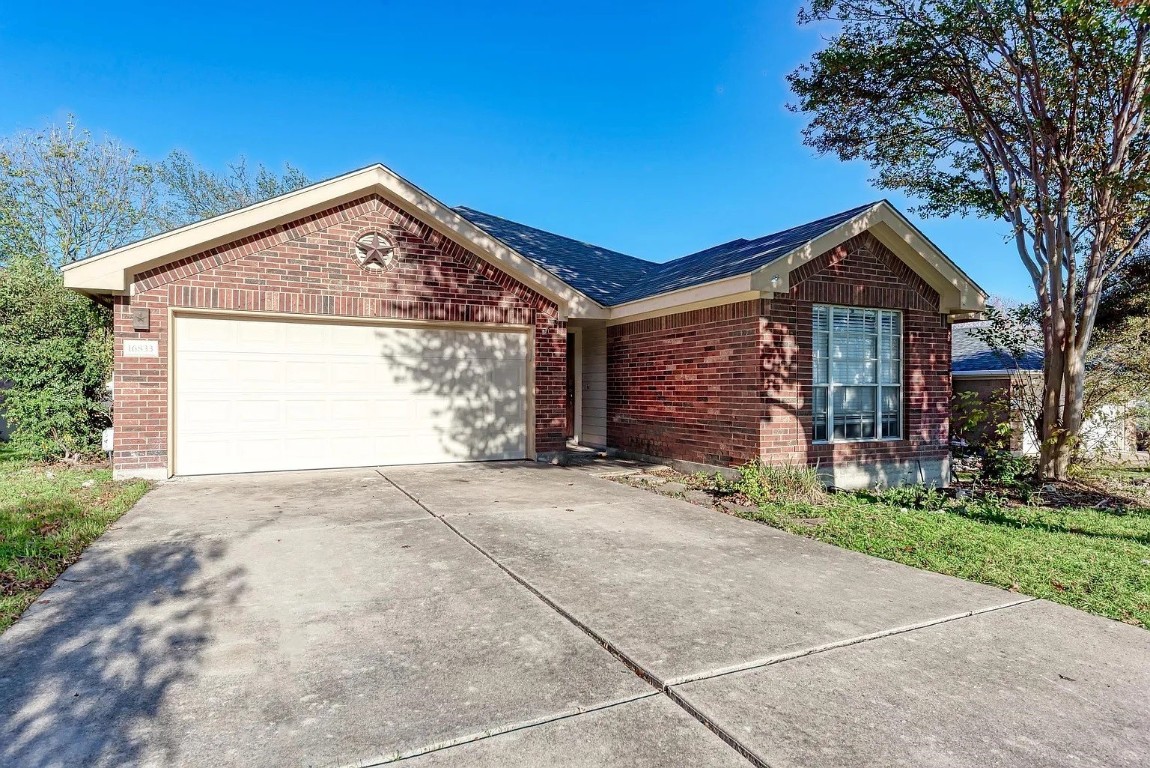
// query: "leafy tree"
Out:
[1029,111]
[65,196]
[194,193]
[1128,295]
[56,355]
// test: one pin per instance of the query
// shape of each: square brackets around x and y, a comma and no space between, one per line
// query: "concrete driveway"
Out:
[522,615]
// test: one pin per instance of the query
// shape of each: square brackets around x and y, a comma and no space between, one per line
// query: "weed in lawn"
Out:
[772,483]
[910,496]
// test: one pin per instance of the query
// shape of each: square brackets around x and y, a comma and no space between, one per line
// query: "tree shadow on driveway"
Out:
[84,673]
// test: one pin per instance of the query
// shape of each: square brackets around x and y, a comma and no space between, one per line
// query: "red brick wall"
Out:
[728,384]
[861,272]
[686,386]
[306,267]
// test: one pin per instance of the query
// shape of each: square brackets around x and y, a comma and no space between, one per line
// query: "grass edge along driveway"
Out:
[48,515]
[1093,559]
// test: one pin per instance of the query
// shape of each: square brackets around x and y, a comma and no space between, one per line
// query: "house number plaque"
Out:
[141,348]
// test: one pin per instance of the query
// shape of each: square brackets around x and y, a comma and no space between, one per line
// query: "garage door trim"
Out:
[232,314]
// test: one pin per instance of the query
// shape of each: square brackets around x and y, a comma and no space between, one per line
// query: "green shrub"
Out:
[983,428]
[1001,467]
[912,497]
[55,357]
[766,483]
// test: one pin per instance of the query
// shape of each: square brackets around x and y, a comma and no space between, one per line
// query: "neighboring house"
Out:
[361,322]
[997,374]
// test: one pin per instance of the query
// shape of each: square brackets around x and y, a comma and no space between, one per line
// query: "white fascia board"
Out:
[960,296]
[735,288]
[112,271]
[958,293]
[994,373]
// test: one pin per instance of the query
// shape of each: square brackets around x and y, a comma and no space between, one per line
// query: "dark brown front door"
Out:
[570,385]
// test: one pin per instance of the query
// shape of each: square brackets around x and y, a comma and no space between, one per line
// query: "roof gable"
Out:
[584,280]
[114,271]
[615,279]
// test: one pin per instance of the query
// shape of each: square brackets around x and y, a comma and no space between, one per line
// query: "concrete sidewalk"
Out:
[522,615]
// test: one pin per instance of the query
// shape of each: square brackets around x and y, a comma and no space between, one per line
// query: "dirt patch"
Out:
[697,489]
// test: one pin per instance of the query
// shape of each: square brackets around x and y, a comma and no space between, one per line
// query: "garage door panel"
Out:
[255,395]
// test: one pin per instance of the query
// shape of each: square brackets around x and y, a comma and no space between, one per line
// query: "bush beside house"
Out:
[56,352]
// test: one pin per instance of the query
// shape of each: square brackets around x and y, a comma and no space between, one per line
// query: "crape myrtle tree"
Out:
[1028,111]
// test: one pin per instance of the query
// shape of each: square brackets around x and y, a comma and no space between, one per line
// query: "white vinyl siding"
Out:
[260,395]
[857,360]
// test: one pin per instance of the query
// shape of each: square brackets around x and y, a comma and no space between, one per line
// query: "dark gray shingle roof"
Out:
[970,353]
[610,277]
[598,272]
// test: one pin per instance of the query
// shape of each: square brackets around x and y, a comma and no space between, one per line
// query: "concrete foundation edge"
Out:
[855,475]
[140,473]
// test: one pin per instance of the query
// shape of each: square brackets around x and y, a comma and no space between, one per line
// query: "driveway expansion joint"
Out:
[848,642]
[395,757]
[649,677]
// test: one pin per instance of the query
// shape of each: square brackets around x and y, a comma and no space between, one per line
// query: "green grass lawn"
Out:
[47,516]
[1085,544]
[1097,560]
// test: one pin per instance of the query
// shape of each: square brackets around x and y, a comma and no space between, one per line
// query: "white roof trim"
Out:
[958,293]
[993,373]
[680,297]
[113,271]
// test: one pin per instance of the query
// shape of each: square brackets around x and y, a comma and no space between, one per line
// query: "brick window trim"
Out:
[878,386]
[674,391]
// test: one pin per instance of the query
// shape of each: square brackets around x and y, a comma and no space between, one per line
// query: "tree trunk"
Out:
[1063,401]
[1051,434]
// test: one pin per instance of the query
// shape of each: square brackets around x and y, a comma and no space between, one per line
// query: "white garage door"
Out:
[256,395]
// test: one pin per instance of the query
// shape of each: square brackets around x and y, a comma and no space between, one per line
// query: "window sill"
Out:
[859,440]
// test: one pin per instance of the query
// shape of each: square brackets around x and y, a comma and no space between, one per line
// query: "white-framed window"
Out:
[857,359]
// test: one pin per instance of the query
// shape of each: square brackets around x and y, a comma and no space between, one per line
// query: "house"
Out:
[998,375]
[995,375]
[361,322]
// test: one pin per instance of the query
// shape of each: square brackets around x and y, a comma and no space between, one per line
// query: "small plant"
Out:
[764,483]
[912,497]
[983,429]
[1000,467]
[715,484]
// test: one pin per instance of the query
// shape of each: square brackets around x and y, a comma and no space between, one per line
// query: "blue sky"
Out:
[656,129]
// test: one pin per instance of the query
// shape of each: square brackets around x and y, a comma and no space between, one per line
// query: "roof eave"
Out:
[112,272]
[959,296]
[987,373]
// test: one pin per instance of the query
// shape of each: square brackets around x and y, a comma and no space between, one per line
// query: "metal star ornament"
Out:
[375,251]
